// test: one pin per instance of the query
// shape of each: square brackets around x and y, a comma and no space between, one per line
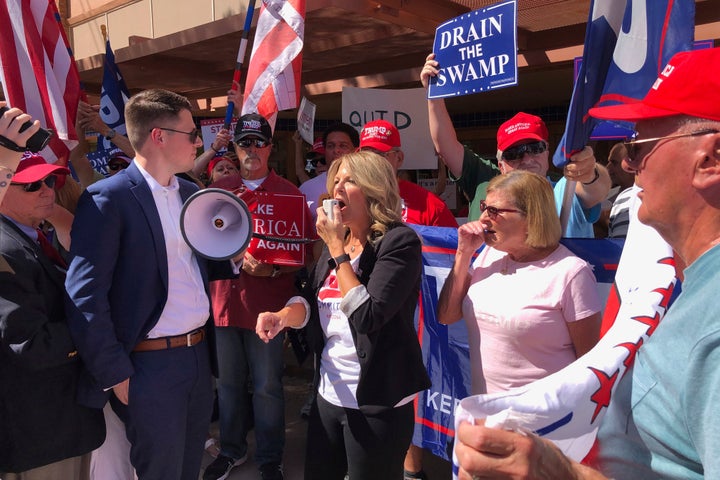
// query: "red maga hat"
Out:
[380,135]
[522,126]
[34,168]
[688,85]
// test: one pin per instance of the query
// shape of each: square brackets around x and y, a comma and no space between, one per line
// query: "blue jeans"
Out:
[243,356]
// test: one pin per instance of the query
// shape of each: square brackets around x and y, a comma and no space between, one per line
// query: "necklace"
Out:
[352,247]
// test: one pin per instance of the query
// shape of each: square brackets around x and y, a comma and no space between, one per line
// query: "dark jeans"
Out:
[241,356]
[346,441]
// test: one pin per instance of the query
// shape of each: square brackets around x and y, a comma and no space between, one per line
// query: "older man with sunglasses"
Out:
[662,421]
[44,432]
[523,144]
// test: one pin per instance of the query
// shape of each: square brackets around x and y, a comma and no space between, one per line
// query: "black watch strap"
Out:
[335,262]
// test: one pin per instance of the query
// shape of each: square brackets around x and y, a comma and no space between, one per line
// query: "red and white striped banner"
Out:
[38,72]
[273,78]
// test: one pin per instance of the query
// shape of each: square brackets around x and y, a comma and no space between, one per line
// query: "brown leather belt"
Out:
[163,343]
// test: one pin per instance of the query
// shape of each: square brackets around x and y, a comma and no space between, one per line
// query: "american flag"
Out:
[38,71]
[273,78]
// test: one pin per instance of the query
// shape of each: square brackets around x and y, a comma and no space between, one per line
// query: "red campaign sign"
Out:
[278,216]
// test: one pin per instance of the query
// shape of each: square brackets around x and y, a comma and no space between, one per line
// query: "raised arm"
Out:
[441,127]
[470,237]
[592,179]
[89,118]
[10,123]
[222,140]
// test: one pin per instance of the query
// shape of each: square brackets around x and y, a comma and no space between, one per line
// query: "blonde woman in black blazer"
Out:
[359,308]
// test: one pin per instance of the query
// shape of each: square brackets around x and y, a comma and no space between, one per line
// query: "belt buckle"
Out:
[188,336]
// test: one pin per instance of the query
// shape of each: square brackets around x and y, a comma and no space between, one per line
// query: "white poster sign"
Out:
[406,109]
[305,120]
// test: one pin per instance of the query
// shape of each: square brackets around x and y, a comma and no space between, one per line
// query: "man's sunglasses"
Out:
[193,134]
[117,166]
[252,142]
[516,153]
[37,185]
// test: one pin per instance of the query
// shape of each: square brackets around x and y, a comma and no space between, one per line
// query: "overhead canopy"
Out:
[365,43]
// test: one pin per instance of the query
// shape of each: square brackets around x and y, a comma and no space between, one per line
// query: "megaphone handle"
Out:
[270,238]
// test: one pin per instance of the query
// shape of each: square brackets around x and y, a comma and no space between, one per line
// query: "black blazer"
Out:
[40,420]
[391,366]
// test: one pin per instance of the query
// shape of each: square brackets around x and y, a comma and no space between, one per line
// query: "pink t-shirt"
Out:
[516,316]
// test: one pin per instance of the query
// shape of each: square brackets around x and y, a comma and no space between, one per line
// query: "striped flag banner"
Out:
[38,71]
[273,78]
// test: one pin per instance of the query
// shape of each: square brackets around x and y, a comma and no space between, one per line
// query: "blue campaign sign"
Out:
[477,51]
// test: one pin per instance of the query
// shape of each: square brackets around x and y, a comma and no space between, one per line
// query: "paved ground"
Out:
[297,386]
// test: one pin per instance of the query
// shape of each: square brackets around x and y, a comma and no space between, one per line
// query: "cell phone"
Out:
[328,205]
[38,140]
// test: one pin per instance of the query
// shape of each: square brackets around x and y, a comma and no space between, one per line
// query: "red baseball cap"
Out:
[380,135]
[318,147]
[522,126]
[688,85]
[34,168]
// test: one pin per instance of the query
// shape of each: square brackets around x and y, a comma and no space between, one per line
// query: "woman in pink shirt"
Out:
[530,305]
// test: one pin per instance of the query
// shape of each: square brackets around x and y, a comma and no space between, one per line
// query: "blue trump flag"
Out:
[113,96]
[627,43]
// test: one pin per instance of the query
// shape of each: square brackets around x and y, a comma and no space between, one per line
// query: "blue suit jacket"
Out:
[118,277]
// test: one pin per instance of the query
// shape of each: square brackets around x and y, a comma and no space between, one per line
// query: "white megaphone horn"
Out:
[216,224]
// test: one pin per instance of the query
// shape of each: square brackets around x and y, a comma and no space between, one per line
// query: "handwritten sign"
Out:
[477,51]
[406,109]
[278,216]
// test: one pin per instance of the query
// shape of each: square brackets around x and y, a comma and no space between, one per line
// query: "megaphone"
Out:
[216,224]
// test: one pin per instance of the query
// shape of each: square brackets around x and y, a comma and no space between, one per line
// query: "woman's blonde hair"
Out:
[376,178]
[533,195]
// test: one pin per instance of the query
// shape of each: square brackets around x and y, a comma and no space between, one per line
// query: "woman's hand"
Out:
[331,231]
[470,236]
[222,139]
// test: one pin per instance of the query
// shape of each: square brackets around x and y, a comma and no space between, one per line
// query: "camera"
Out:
[37,142]
[328,205]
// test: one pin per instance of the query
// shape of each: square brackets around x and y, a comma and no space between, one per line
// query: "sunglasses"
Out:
[377,152]
[513,154]
[117,166]
[493,212]
[194,134]
[632,145]
[37,185]
[252,142]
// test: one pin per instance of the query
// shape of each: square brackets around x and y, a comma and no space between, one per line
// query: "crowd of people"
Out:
[107,363]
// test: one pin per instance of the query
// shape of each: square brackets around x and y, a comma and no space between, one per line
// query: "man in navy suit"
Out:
[139,310]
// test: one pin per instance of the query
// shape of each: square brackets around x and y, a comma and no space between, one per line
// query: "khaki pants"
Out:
[76,468]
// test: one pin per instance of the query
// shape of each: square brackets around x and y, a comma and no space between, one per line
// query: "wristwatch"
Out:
[335,262]
[110,135]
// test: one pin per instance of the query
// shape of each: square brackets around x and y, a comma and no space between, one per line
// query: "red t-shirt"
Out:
[423,207]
